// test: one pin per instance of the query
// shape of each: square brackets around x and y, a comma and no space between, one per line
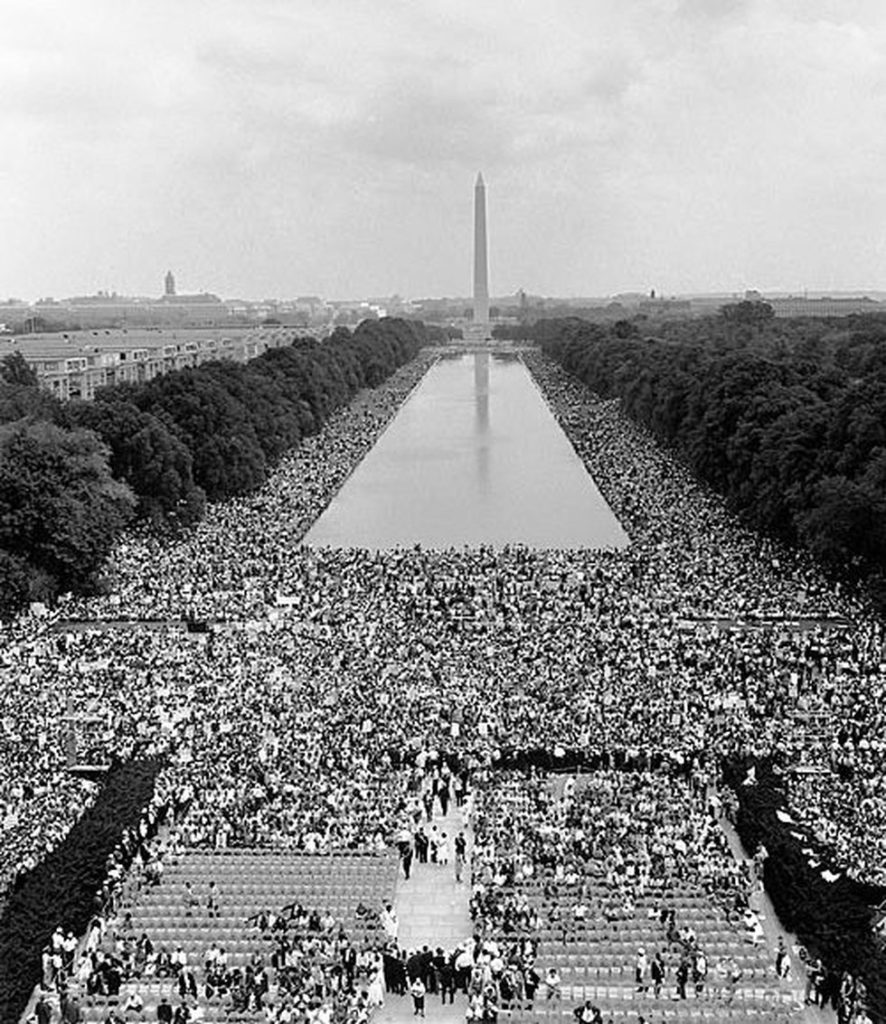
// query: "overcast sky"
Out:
[284,147]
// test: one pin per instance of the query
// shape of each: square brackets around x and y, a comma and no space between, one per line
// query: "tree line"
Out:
[786,419]
[62,890]
[74,474]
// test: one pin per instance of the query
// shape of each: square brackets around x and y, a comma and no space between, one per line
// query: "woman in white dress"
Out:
[375,996]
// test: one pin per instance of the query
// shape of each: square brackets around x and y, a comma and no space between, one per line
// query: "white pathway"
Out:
[432,909]
[761,903]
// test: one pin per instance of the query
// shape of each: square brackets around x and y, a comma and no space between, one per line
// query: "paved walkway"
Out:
[432,909]
[762,904]
[431,905]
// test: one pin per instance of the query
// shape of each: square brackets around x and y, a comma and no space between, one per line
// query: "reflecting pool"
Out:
[474,456]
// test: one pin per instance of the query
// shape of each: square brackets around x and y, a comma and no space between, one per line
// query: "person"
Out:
[164,1011]
[443,795]
[699,972]
[406,855]
[531,982]
[427,972]
[421,845]
[212,900]
[390,922]
[191,899]
[72,1011]
[446,974]
[43,1010]
[134,1007]
[657,973]
[814,974]
[187,983]
[682,977]
[552,983]
[464,962]
[641,968]
[417,991]
[461,849]
[375,995]
[587,1013]
[760,857]
[782,960]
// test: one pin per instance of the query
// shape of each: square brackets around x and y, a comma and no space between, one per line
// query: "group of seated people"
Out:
[602,859]
[328,676]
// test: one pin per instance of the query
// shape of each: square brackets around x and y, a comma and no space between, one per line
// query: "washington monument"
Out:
[481,280]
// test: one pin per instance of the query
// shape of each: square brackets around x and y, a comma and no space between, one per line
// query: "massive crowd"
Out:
[606,855]
[328,678]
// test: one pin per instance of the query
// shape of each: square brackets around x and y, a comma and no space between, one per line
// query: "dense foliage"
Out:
[830,913]
[787,419]
[60,509]
[72,474]
[62,889]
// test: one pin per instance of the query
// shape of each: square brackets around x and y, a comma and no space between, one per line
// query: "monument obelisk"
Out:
[481,280]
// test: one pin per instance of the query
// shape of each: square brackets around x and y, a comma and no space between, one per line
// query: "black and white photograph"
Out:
[443,511]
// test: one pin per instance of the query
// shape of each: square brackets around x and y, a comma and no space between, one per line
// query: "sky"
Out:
[265,148]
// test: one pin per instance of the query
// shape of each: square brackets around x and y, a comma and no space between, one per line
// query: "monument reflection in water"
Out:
[473,457]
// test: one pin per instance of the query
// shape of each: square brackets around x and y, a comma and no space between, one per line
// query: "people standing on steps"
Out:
[428,971]
[447,976]
[376,992]
[461,852]
[443,795]
[464,963]
[390,922]
[405,849]
[421,845]
[428,802]
[417,991]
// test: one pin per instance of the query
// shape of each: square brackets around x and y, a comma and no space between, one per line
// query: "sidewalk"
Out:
[433,910]
[761,903]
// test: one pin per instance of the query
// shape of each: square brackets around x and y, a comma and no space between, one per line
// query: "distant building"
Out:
[75,364]
[169,286]
[665,307]
[629,299]
[824,306]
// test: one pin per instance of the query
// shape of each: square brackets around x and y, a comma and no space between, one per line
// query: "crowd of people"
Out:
[327,679]
[603,857]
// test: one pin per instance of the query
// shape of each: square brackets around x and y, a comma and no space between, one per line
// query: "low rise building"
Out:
[78,363]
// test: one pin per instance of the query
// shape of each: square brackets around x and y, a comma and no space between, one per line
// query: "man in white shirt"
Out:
[389,921]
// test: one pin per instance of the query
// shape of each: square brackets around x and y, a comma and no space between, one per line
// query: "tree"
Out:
[787,421]
[753,314]
[15,583]
[18,401]
[845,522]
[213,426]
[14,369]
[146,456]
[60,508]
[625,329]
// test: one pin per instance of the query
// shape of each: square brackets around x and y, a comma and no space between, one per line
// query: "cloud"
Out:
[335,142]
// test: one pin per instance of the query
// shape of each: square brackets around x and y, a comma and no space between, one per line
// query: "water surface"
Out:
[474,456]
